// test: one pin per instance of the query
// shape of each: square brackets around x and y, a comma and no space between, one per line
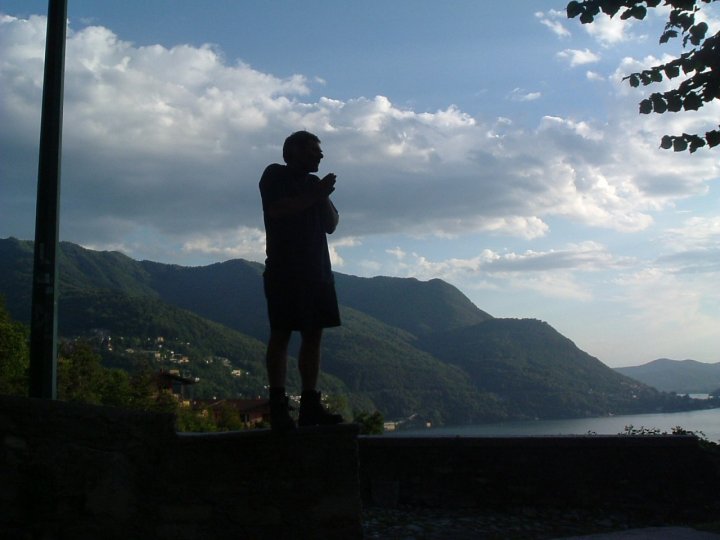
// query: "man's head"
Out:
[302,150]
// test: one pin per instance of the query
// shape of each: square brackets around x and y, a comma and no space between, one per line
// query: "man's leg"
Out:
[276,361]
[309,358]
[276,357]
[312,412]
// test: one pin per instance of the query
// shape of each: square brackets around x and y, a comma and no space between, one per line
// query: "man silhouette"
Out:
[298,280]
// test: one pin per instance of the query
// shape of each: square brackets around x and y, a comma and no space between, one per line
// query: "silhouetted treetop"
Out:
[700,65]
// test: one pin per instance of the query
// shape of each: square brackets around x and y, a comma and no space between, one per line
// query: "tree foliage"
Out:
[14,354]
[83,379]
[370,423]
[700,65]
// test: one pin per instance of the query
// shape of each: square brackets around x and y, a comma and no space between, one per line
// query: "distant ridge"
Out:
[407,347]
[681,376]
[416,306]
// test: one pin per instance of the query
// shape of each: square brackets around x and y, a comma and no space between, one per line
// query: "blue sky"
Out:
[489,144]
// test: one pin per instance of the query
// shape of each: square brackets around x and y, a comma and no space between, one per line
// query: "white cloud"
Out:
[165,146]
[577,57]
[334,245]
[552,19]
[610,31]
[551,274]
[696,232]
[242,242]
[694,248]
[661,304]
[397,252]
[518,94]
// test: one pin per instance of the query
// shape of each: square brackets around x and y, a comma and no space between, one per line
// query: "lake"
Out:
[707,421]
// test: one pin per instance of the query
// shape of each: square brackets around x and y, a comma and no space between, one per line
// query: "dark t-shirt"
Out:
[296,246]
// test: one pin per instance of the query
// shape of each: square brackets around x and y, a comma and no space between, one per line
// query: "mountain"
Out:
[536,371]
[132,321]
[680,376]
[416,306]
[406,346]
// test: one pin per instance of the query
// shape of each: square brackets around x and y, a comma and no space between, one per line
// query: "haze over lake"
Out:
[706,421]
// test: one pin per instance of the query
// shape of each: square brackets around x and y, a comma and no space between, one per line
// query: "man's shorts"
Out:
[295,304]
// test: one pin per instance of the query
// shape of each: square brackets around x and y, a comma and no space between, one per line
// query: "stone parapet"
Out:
[88,472]
[671,475]
[71,471]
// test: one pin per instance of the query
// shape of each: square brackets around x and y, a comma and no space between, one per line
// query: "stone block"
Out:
[88,472]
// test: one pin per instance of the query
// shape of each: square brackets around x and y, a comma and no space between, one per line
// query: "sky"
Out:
[493,145]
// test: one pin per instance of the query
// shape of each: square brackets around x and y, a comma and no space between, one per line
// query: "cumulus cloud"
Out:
[577,57]
[610,31]
[586,256]
[552,273]
[240,243]
[334,245]
[169,143]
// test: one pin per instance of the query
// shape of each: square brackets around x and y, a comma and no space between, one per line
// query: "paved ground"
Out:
[522,524]
[652,533]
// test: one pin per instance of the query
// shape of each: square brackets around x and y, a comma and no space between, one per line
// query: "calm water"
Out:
[707,421]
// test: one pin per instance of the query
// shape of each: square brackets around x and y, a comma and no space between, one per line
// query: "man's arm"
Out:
[289,206]
[330,216]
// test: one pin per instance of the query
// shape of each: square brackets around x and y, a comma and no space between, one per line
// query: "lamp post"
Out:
[43,325]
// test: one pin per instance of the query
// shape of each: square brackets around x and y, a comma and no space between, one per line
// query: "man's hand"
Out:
[327,185]
[288,206]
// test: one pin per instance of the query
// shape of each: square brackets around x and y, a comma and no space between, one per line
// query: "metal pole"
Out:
[43,325]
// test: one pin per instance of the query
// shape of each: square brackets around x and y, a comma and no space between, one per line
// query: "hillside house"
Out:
[251,411]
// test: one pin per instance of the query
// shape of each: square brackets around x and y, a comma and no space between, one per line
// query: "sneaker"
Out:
[313,413]
[280,419]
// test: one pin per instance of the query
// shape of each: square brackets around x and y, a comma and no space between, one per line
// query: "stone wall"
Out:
[77,472]
[664,476]
[72,471]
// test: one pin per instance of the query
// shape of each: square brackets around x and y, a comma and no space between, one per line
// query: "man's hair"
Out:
[297,141]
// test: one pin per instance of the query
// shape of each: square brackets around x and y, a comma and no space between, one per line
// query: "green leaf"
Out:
[672,71]
[667,35]
[695,142]
[689,64]
[674,101]
[666,143]
[713,138]
[711,91]
[586,17]
[698,33]
[634,80]
[573,9]
[639,12]
[611,7]
[692,102]
[658,103]
[679,144]
[646,106]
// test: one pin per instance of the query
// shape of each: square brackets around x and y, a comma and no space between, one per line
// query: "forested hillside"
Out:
[406,347]
[681,376]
